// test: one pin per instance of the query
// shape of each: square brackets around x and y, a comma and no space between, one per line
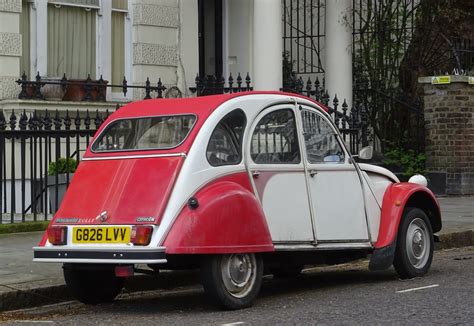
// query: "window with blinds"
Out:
[72,38]
[119,12]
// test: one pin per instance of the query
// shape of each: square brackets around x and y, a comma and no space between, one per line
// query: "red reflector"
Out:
[57,235]
[141,235]
[124,271]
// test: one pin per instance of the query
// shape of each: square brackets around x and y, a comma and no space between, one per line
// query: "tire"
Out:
[414,250]
[286,271]
[92,286]
[232,281]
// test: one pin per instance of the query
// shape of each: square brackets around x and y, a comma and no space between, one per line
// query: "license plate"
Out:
[109,234]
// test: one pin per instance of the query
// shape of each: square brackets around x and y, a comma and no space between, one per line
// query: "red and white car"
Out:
[236,185]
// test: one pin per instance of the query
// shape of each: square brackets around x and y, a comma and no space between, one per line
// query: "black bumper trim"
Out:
[112,255]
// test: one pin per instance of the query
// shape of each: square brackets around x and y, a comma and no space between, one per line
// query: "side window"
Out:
[275,140]
[320,141]
[225,144]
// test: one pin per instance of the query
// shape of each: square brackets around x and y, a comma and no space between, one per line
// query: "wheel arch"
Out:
[229,219]
[396,199]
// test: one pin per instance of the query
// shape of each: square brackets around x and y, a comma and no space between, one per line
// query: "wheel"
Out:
[286,271]
[92,286]
[232,281]
[414,251]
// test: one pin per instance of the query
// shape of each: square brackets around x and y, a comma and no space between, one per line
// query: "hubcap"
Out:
[238,273]
[417,243]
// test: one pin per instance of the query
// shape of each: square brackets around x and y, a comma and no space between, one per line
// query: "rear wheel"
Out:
[92,286]
[414,251]
[232,281]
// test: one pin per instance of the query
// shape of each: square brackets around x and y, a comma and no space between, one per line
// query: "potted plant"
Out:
[62,168]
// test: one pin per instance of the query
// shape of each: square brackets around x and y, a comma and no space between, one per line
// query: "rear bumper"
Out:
[135,255]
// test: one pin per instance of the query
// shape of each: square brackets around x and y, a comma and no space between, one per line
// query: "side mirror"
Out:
[366,153]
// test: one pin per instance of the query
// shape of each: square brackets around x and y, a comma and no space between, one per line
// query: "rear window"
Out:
[163,132]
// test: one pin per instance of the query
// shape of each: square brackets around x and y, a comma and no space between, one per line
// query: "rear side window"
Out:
[275,140]
[225,144]
[163,132]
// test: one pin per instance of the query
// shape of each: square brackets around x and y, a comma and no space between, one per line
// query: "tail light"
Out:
[141,235]
[57,235]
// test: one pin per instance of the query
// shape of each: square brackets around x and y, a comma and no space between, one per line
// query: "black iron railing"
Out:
[89,90]
[212,85]
[29,142]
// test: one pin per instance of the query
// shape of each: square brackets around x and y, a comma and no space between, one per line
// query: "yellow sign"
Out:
[437,80]
[470,80]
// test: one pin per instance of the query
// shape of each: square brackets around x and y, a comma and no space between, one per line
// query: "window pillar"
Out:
[267,45]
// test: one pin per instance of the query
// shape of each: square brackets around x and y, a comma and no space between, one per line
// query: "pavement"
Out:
[26,284]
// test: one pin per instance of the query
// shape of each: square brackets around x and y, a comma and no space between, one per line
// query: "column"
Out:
[338,52]
[267,45]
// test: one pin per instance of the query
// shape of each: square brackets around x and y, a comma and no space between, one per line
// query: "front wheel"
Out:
[414,251]
[232,281]
[92,285]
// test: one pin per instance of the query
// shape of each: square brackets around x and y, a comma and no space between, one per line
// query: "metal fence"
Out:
[28,144]
[87,90]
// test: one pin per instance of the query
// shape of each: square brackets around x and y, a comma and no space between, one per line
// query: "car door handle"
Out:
[255,174]
[312,173]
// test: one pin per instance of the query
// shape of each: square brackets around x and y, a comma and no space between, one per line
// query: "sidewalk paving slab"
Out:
[24,283]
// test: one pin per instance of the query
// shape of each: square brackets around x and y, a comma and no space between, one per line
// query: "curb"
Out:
[40,296]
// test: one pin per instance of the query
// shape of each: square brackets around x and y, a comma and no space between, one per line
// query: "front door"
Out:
[275,162]
[336,192]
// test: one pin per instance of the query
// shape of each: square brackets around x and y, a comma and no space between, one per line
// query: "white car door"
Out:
[335,188]
[275,162]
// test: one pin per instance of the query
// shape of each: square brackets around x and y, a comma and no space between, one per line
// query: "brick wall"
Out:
[449,118]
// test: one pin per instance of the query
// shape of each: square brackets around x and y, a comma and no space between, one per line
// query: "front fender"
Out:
[229,219]
[397,197]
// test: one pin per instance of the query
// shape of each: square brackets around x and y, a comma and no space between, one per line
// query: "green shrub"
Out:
[62,165]
[408,161]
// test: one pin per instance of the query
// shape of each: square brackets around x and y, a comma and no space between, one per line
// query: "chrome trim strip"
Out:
[323,246]
[100,261]
[124,157]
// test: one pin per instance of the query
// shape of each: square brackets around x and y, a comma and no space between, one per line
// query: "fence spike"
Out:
[87,120]
[64,82]
[47,122]
[124,86]
[12,122]
[57,121]
[77,120]
[248,81]
[67,121]
[3,122]
[147,89]
[160,89]
[231,83]
[23,122]
[98,119]
[239,82]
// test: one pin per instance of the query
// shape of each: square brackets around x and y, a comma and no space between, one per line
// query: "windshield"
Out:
[144,133]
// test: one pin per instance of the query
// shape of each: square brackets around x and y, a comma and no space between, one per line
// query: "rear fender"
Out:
[229,219]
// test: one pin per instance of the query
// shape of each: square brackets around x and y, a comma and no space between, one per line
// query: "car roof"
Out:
[202,105]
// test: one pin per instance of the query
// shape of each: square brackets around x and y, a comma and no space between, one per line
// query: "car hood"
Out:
[129,191]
